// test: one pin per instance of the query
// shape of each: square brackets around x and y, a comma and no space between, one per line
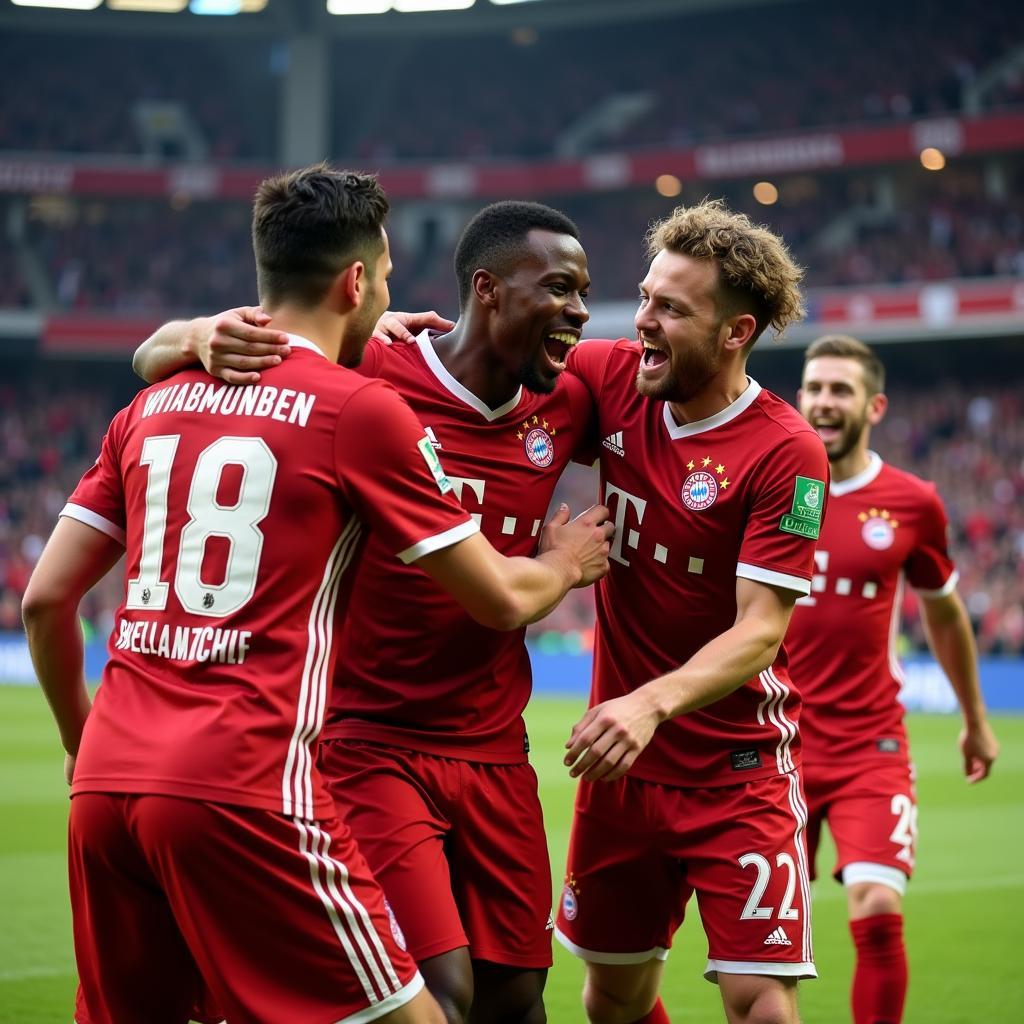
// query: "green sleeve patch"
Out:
[444,485]
[804,518]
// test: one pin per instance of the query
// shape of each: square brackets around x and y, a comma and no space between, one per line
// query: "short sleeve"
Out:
[787,507]
[392,476]
[99,500]
[929,568]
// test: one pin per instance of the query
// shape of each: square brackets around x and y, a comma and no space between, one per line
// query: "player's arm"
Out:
[237,344]
[507,593]
[610,736]
[75,558]
[951,639]
[234,345]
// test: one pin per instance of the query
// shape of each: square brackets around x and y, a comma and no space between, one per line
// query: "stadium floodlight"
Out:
[64,5]
[358,6]
[215,6]
[408,6]
[148,6]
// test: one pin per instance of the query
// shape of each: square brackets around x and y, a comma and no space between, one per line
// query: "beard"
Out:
[850,433]
[689,373]
[358,330]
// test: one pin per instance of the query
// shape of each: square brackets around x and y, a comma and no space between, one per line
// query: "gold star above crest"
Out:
[706,461]
[725,483]
[690,464]
[719,469]
[894,523]
[519,435]
[526,424]
[554,430]
[544,424]
[873,512]
[862,516]
[536,420]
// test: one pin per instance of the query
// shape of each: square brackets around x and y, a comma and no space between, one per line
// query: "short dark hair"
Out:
[493,239]
[842,346]
[310,224]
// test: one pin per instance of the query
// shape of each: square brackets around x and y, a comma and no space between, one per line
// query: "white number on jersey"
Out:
[905,832]
[238,524]
[752,911]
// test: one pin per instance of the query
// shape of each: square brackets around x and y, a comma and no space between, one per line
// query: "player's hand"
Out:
[980,748]
[394,326]
[236,344]
[69,768]
[585,540]
[606,741]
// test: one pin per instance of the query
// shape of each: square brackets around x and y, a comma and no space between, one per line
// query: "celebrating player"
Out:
[425,748]
[882,525]
[717,490]
[200,826]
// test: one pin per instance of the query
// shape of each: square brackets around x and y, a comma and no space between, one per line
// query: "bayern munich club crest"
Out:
[570,899]
[700,490]
[540,449]
[878,529]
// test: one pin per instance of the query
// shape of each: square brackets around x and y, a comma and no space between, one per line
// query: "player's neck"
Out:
[719,394]
[852,463]
[469,361]
[321,329]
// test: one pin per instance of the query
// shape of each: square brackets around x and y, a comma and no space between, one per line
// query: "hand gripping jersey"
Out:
[883,526]
[415,670]
[740,494]
[243,511]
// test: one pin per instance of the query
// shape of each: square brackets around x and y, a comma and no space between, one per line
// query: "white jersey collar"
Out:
[298,341]
[730,412]
[837,488]
[463,394]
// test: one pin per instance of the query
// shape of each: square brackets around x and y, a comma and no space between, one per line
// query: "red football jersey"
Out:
[243,511]
[883,525]
[695,506]
[414,669]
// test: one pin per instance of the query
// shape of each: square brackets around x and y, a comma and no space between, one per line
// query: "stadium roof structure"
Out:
[284,17]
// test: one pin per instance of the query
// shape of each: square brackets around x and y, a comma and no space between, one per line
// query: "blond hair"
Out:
[756,272]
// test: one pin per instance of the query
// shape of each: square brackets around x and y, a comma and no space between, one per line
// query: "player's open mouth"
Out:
[557,345]
[653,356]
[828,431]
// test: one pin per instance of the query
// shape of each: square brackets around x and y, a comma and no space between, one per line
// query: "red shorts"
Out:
[640,849]
[279,916]
[871,810]
[458,846]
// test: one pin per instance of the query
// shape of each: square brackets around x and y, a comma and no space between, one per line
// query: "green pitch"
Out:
[964,906]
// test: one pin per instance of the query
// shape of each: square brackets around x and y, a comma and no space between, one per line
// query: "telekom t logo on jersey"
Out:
[465,486]
[627,509]
[842,585]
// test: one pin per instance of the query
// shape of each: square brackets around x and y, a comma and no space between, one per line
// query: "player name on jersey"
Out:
[183,643]
[282,404]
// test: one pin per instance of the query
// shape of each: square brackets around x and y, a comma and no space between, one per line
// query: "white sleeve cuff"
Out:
[945,590]
[93,519]
[775,579]
[441,540]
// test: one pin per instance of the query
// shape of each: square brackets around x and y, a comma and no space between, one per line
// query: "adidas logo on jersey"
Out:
[778,938]
[613,442]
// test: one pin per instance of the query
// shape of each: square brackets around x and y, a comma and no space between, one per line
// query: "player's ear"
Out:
[350,284]
[877,406]
[485,288]
[739,330]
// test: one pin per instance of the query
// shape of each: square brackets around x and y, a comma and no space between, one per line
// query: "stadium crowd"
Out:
[900,226]
[970,441]
[534,95]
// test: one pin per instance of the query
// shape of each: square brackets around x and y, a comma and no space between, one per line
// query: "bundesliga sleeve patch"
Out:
[804,518]
[444,485]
